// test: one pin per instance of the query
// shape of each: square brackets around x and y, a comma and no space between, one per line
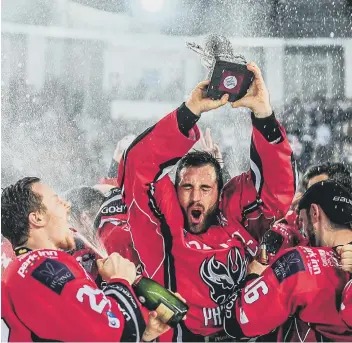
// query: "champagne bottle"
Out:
[155,297]
[263,257]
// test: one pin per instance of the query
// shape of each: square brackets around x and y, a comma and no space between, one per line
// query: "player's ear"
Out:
[315,213]
[37,219]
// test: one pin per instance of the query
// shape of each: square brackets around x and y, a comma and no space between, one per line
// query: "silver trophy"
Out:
[216,47]
[227,71]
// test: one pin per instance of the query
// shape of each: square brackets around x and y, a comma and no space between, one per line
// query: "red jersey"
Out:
[346,304]
[206,269]
[299,293]
[280,237]
[112,228]
[47,295]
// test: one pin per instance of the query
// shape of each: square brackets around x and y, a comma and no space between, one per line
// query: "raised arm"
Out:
[69,307]
[159,148]
[269,185]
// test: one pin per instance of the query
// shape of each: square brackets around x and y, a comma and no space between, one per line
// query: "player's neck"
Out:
[341,237]
[40,242]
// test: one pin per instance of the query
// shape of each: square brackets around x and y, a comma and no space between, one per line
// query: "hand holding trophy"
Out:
[227,71]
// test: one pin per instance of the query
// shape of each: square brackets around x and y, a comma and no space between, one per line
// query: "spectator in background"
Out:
[293,118]
[335,171]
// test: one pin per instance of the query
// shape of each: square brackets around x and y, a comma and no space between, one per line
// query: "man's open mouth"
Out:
[196,213]
[196,216]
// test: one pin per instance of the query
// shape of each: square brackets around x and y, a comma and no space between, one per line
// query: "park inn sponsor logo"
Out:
[32,258]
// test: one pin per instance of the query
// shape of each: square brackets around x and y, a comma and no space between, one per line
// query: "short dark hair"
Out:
[335,171]
[334,199]
[17,202]
[199,159]
[84,198]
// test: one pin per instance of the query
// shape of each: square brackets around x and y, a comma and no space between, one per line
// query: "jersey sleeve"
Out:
[263,194]
[153,153]
[118,239]
[267,301]
[346,304]
[63,304]
[273,169]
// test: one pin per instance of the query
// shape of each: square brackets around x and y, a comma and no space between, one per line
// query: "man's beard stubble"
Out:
[210,218]
[312,238]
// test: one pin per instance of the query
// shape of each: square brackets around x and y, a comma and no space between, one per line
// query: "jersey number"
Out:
[252,291]
[92,296]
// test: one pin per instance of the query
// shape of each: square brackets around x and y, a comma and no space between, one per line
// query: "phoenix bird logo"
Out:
[223,280]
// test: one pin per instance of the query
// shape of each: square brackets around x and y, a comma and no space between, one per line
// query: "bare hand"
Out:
[155,327]
[345,253]
[257,97]
[207,144]
[122,145]
[256,268]
[115,266]
[198,102]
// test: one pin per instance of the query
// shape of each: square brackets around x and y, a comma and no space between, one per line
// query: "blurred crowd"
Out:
[81,136]
[319,130]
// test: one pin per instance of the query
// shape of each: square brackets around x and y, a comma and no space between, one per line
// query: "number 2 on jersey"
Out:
[92,296]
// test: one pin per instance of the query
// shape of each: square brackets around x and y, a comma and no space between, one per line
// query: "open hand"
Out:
[257,97]
[155,327]
[198,102]
[207,144]
[122,145]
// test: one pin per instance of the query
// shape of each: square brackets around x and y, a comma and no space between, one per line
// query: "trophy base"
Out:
[229,78]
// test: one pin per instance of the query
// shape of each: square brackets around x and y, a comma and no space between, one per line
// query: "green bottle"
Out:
[155,297]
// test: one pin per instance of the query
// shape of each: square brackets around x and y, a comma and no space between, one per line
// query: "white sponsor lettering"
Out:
[197,245]
[24,266]
[112,209]
[314,260]
[47,253]
[315,265]
[328,259]
[213,316]
[342,199]
[31,257]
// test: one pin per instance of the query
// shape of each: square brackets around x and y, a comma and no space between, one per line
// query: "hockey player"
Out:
[188,236]
[47,295]
[302,286]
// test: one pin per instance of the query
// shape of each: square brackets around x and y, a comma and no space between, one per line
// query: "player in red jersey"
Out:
[195,236]
[300,290]
[287,232]
[47,294]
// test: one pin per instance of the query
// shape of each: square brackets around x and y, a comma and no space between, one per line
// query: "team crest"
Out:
[223,280]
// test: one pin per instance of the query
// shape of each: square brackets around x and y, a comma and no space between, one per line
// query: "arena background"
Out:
[79,75]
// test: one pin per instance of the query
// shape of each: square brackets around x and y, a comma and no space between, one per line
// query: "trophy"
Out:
[227,71]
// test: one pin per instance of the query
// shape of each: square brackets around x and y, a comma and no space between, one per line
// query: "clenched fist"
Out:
[115,266]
